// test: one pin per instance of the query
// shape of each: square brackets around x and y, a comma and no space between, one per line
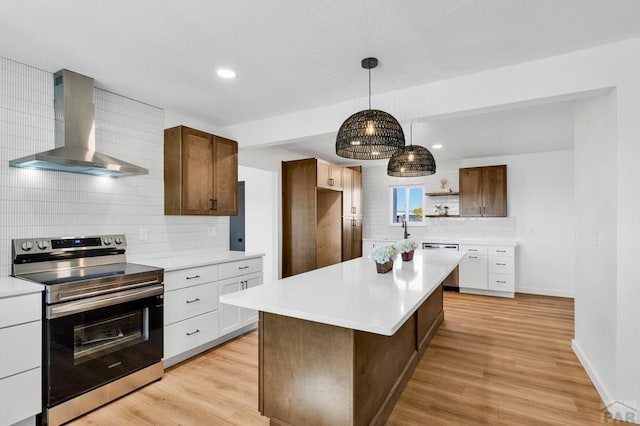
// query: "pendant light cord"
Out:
[411,133]
[369,88]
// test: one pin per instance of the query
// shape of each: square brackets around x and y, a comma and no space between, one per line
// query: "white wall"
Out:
[596,239]
[541,199]
[43,203]
[540,208]
[261,217]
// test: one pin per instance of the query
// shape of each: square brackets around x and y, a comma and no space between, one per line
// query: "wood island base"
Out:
[320,374]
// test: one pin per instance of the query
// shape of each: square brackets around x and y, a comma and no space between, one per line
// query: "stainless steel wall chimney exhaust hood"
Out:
[75,135]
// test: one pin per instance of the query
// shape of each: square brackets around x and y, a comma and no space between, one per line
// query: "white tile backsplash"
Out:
[45,203]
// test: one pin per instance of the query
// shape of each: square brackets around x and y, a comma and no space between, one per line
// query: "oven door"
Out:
[90,342]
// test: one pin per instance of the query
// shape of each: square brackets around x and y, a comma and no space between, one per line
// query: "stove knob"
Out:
[27,245]
[107,241]
[118,240]
[42,244]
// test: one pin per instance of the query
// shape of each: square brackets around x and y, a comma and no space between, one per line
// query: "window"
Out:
[407,202]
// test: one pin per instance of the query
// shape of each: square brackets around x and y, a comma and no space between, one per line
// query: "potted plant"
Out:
[383,256]
[406,248]
[441,210]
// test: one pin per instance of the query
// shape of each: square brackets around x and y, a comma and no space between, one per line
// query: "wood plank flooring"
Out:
[494,361]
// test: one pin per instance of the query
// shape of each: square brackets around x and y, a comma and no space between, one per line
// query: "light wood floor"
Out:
[493,361]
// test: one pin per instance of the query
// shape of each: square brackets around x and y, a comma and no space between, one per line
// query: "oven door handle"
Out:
[76,296]
[83,305]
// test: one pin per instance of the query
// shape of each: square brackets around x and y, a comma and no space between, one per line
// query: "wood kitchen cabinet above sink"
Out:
[200,173]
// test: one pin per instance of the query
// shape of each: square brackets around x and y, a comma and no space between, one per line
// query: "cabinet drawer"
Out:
[474,249]
[190,302]
[20,396]
[501,282]
[191,333]
[20,348]
[504,251]
[241,267]
[500,265]
[189,277]
[20,309]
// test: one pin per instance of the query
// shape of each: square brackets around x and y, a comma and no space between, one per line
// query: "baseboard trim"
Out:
[619,410]
[545,292]
[481,292]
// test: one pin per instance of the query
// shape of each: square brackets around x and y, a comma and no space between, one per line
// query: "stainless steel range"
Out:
[102,320]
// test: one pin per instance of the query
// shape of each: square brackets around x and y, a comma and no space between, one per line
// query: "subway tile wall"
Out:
[45,203]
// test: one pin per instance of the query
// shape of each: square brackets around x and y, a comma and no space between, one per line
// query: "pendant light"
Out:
[370,134]
[412,161]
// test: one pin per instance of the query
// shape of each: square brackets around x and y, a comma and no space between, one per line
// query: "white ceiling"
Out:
[294,54]
[527,130]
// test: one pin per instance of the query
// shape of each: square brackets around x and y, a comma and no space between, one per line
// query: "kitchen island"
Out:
[338,344]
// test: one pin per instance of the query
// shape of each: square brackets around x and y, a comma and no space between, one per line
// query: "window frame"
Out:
[408,187]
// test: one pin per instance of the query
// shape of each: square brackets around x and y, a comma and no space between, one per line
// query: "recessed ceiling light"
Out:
[226,73]
[436,146]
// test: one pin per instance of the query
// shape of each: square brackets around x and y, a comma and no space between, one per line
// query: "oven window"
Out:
[99,338]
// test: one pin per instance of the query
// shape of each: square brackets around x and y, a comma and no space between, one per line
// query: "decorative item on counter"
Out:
[443,183]
[407,248]
[383,256]
[441,209]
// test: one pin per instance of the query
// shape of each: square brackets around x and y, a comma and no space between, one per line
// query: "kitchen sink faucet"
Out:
[404,225]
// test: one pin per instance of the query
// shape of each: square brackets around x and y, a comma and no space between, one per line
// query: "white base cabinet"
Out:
[21,355]
[488,270]
[233,317]
[194,320]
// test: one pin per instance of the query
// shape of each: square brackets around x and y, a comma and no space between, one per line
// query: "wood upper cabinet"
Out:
[200,173]
[329,176]
[483,191]
[351,192]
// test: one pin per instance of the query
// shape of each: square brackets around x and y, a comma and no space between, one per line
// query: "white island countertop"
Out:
[352,294]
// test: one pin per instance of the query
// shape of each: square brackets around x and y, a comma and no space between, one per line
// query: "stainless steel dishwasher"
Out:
[450,283]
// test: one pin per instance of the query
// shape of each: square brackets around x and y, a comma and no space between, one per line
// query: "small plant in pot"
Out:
[383,256]
[407,248]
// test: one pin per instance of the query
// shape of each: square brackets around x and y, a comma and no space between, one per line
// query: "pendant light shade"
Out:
[370,134]
[411,161]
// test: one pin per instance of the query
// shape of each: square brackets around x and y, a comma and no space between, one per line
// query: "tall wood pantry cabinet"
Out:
[200,173]
[314,224]
[351,213]
[483,191]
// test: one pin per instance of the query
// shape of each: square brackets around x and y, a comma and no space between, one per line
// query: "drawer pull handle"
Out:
[193,277]
[501,282]
[243,267]
[473,249]
[193,332]
[193,300]
[473,257]
[501,264]
[501,251]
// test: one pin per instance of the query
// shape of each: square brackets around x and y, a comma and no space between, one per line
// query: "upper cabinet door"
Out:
[225,177]
[471,191]
[494,191]
[197,172]
[356,191]
[200,173]
[347,193]
[329,175]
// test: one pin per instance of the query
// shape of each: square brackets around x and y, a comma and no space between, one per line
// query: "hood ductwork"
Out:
[75,134]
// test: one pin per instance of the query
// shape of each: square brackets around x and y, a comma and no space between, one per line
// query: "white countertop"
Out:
[184,260]
[11,287]
[452,240]
[352,294]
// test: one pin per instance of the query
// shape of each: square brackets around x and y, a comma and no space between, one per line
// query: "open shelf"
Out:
[441,194]
[442,215]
